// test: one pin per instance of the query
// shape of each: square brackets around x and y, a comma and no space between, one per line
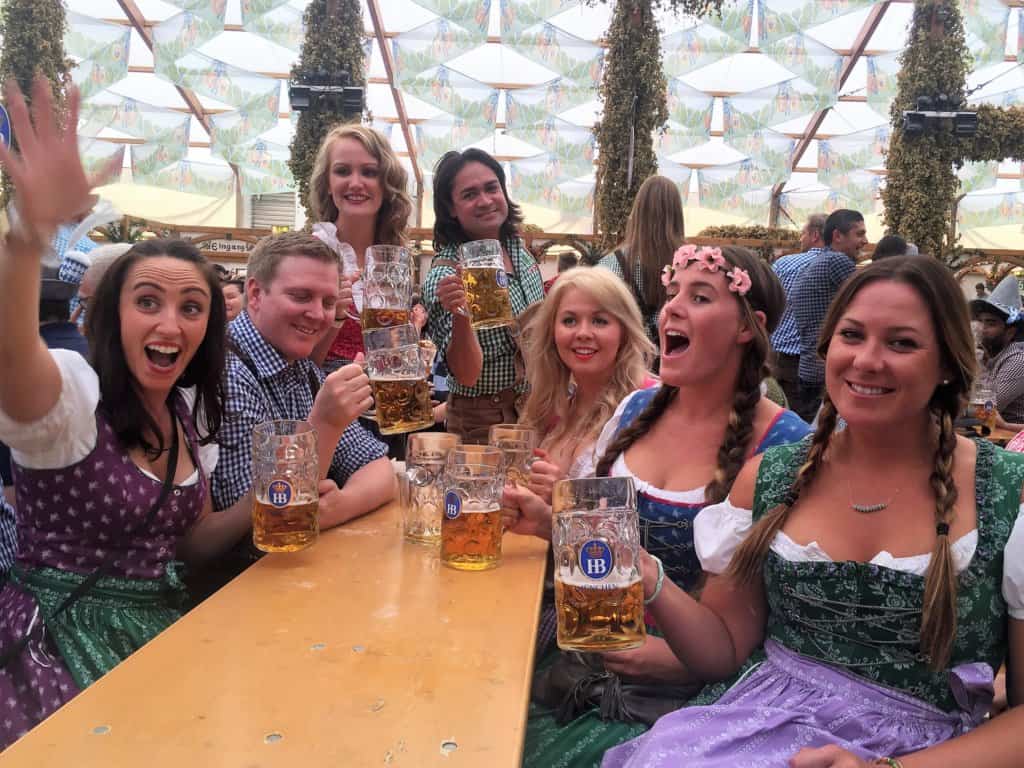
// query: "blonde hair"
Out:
[934,284]
[549,376]
[654,230]
[393,216]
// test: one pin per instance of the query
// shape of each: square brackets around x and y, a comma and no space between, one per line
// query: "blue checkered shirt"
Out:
[525,287]
[8,534]
[70,271]
[817,285]
[786,339]
[273,389]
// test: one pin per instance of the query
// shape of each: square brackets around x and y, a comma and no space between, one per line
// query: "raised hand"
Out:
[451,294]
[50,183]
[344,395]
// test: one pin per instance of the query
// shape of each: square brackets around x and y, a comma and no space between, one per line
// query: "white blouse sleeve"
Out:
[1013,568]
[610,428]
[65,435]
[209,453]
[718,531]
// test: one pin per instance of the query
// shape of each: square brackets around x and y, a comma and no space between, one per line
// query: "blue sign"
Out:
[280,493]
[501,279]
[596,559]
[5,127]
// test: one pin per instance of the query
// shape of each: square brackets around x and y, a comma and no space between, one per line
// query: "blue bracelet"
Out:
[659,584]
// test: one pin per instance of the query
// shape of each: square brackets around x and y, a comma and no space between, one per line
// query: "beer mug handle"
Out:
[419,477]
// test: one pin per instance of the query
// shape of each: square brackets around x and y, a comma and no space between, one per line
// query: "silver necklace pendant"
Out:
[868,508]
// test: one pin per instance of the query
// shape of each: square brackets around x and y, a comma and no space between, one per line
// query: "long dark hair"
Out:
[935,285]
[447,230]
[119,399]
[765,295]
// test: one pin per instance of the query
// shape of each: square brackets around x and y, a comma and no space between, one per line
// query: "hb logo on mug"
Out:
[452,505]
[596,559]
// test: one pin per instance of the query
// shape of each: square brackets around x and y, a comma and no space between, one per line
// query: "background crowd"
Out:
[834,576]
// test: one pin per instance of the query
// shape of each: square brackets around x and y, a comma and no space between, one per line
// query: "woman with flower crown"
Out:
[683,443]
[880,568]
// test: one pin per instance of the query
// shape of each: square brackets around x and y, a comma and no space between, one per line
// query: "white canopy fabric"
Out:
[519,79]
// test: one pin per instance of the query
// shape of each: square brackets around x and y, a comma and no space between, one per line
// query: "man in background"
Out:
[844,235]
[786,339]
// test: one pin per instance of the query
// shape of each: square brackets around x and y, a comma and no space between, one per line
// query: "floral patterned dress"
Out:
[842,663]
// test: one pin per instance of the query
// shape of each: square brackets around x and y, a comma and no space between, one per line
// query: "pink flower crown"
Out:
[710,260]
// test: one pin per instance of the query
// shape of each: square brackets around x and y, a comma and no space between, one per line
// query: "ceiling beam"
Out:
[131,10]
[860,44]
[403,116]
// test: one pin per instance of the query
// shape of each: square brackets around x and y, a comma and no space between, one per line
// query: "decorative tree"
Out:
[334,42]
[921,188]
[33,41]
[633,90]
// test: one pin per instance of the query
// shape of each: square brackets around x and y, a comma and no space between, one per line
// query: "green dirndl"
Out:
[111,621]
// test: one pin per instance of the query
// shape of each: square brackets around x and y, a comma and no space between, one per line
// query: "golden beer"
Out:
[285,529]
[985,412]
[598,616]
[376,317]
[471,539]
[487,296]
[403,404]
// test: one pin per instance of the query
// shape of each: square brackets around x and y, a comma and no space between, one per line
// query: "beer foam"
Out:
[479,508]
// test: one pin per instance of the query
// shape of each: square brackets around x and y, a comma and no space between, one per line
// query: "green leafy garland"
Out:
[331,44]
[772,237]
[33,41]
[633,90]
[921,187]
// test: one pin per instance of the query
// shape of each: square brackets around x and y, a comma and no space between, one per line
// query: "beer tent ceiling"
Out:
[185,87]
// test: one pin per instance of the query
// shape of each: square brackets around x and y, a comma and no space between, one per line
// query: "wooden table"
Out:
[361,651]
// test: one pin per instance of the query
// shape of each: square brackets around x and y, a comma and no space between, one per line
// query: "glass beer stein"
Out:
[286,472]
[595,538]
[387,287]
[399,383]
[486,284]
[471,526]
[420,485]
[517,443]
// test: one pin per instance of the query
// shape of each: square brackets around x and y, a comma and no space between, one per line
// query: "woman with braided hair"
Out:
[683,443]
[881,566]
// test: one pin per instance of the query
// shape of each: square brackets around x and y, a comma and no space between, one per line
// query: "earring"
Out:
[945,382]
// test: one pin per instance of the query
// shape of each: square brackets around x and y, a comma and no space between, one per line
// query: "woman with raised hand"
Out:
[471,203]
[683,443]
[111,462]
[879,565]
[358,190]
[585,352]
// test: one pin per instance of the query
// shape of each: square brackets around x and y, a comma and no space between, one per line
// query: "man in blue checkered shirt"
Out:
[291,291]
[845,235]
[786,339]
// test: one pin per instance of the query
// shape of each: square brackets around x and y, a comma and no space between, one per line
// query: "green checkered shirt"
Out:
[524,288]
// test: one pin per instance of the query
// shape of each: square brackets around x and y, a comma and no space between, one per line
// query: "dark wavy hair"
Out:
[119,400]
[447,230]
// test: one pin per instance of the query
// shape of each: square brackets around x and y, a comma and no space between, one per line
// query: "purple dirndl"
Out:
[789,702]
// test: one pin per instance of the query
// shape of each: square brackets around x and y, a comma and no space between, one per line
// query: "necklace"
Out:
[867,509]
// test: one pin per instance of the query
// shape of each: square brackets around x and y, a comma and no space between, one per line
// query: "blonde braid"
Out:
[748,561]
[938,618]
